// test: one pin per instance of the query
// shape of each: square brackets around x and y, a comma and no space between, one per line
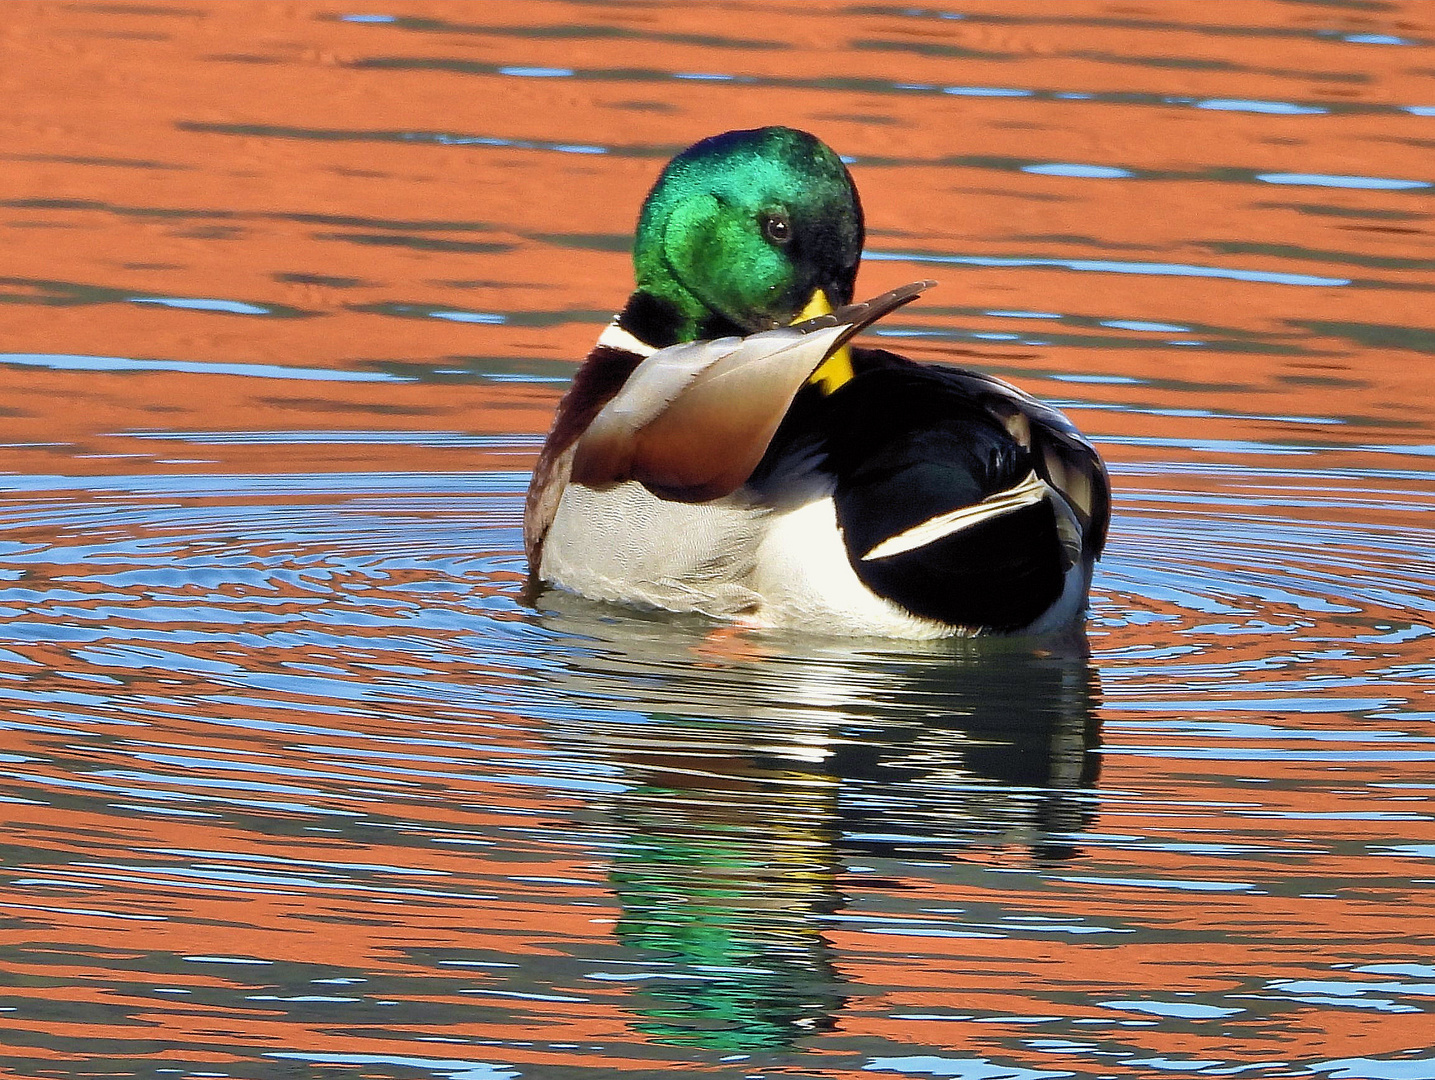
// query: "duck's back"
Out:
[958,498]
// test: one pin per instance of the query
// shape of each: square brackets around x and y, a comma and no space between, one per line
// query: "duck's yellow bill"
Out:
[837,368]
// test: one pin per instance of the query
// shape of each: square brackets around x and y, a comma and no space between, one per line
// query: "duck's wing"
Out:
[693,421]
[613,359]
[959,497]
[1062,456]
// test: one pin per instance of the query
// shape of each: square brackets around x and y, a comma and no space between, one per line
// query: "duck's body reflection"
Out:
[751,781]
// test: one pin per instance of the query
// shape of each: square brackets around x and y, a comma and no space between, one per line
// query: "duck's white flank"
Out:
[806,582]
[623,543]
[768,568]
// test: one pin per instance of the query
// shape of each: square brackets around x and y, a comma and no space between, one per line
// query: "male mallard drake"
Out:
[712,457]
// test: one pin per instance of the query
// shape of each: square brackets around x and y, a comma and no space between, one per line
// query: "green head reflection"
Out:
[732,915]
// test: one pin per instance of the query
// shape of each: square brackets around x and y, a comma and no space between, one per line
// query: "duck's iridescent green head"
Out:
[742,228]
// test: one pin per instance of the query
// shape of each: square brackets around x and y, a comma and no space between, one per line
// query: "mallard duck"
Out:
[724,450]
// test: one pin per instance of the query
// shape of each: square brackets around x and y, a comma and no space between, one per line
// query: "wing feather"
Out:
[694,420]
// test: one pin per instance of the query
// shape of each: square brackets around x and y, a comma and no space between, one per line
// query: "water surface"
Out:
[298,784]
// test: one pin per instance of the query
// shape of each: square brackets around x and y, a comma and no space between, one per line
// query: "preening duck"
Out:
[724,450]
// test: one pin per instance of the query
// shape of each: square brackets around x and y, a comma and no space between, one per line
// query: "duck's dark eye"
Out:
[776,228]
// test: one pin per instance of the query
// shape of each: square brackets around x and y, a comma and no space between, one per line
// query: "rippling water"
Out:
[298,783]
